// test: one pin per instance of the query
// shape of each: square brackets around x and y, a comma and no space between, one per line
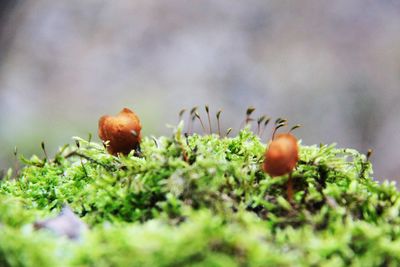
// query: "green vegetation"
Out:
[200,201]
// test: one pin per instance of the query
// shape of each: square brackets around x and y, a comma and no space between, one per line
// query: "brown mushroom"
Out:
[121,131]
[281,155]
[281,158]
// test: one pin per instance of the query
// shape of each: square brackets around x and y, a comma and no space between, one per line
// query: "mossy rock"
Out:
[200,201]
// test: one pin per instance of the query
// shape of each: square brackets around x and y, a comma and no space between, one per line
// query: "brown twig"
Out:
[209,119]
[201,121]
[218,123]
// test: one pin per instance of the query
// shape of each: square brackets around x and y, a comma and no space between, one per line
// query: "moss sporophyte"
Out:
[199,200]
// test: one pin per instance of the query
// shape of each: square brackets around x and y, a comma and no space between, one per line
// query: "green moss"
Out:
[217,208]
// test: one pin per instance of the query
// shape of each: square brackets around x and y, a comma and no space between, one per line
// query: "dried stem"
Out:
[155,141]
[181,114]
[201,121]
[259,121]
[76,153]
[369,154]
[218,122]
[276,128]
[44,150]
[248,118]
[278,124]
[264,127]
[294,128]
[191,119]
[16,162]
[228,132]
[209,119]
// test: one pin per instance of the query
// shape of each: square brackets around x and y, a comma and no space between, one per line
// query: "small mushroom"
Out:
[281,158]
[281,155]
[122,132]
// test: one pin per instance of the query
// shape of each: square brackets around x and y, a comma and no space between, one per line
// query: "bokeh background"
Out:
[333,66]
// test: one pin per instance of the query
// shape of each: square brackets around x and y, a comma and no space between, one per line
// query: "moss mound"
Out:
[200,201]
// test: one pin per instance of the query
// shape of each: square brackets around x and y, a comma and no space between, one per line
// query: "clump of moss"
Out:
[201,201]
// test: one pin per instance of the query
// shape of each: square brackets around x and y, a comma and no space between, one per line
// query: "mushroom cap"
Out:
[281,155]
[121,131]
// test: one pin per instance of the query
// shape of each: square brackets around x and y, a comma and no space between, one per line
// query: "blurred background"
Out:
[333,67]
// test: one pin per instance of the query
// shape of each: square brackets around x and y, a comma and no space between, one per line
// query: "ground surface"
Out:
[200,201]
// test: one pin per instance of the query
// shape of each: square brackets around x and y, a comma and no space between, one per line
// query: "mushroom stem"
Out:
[289,188]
